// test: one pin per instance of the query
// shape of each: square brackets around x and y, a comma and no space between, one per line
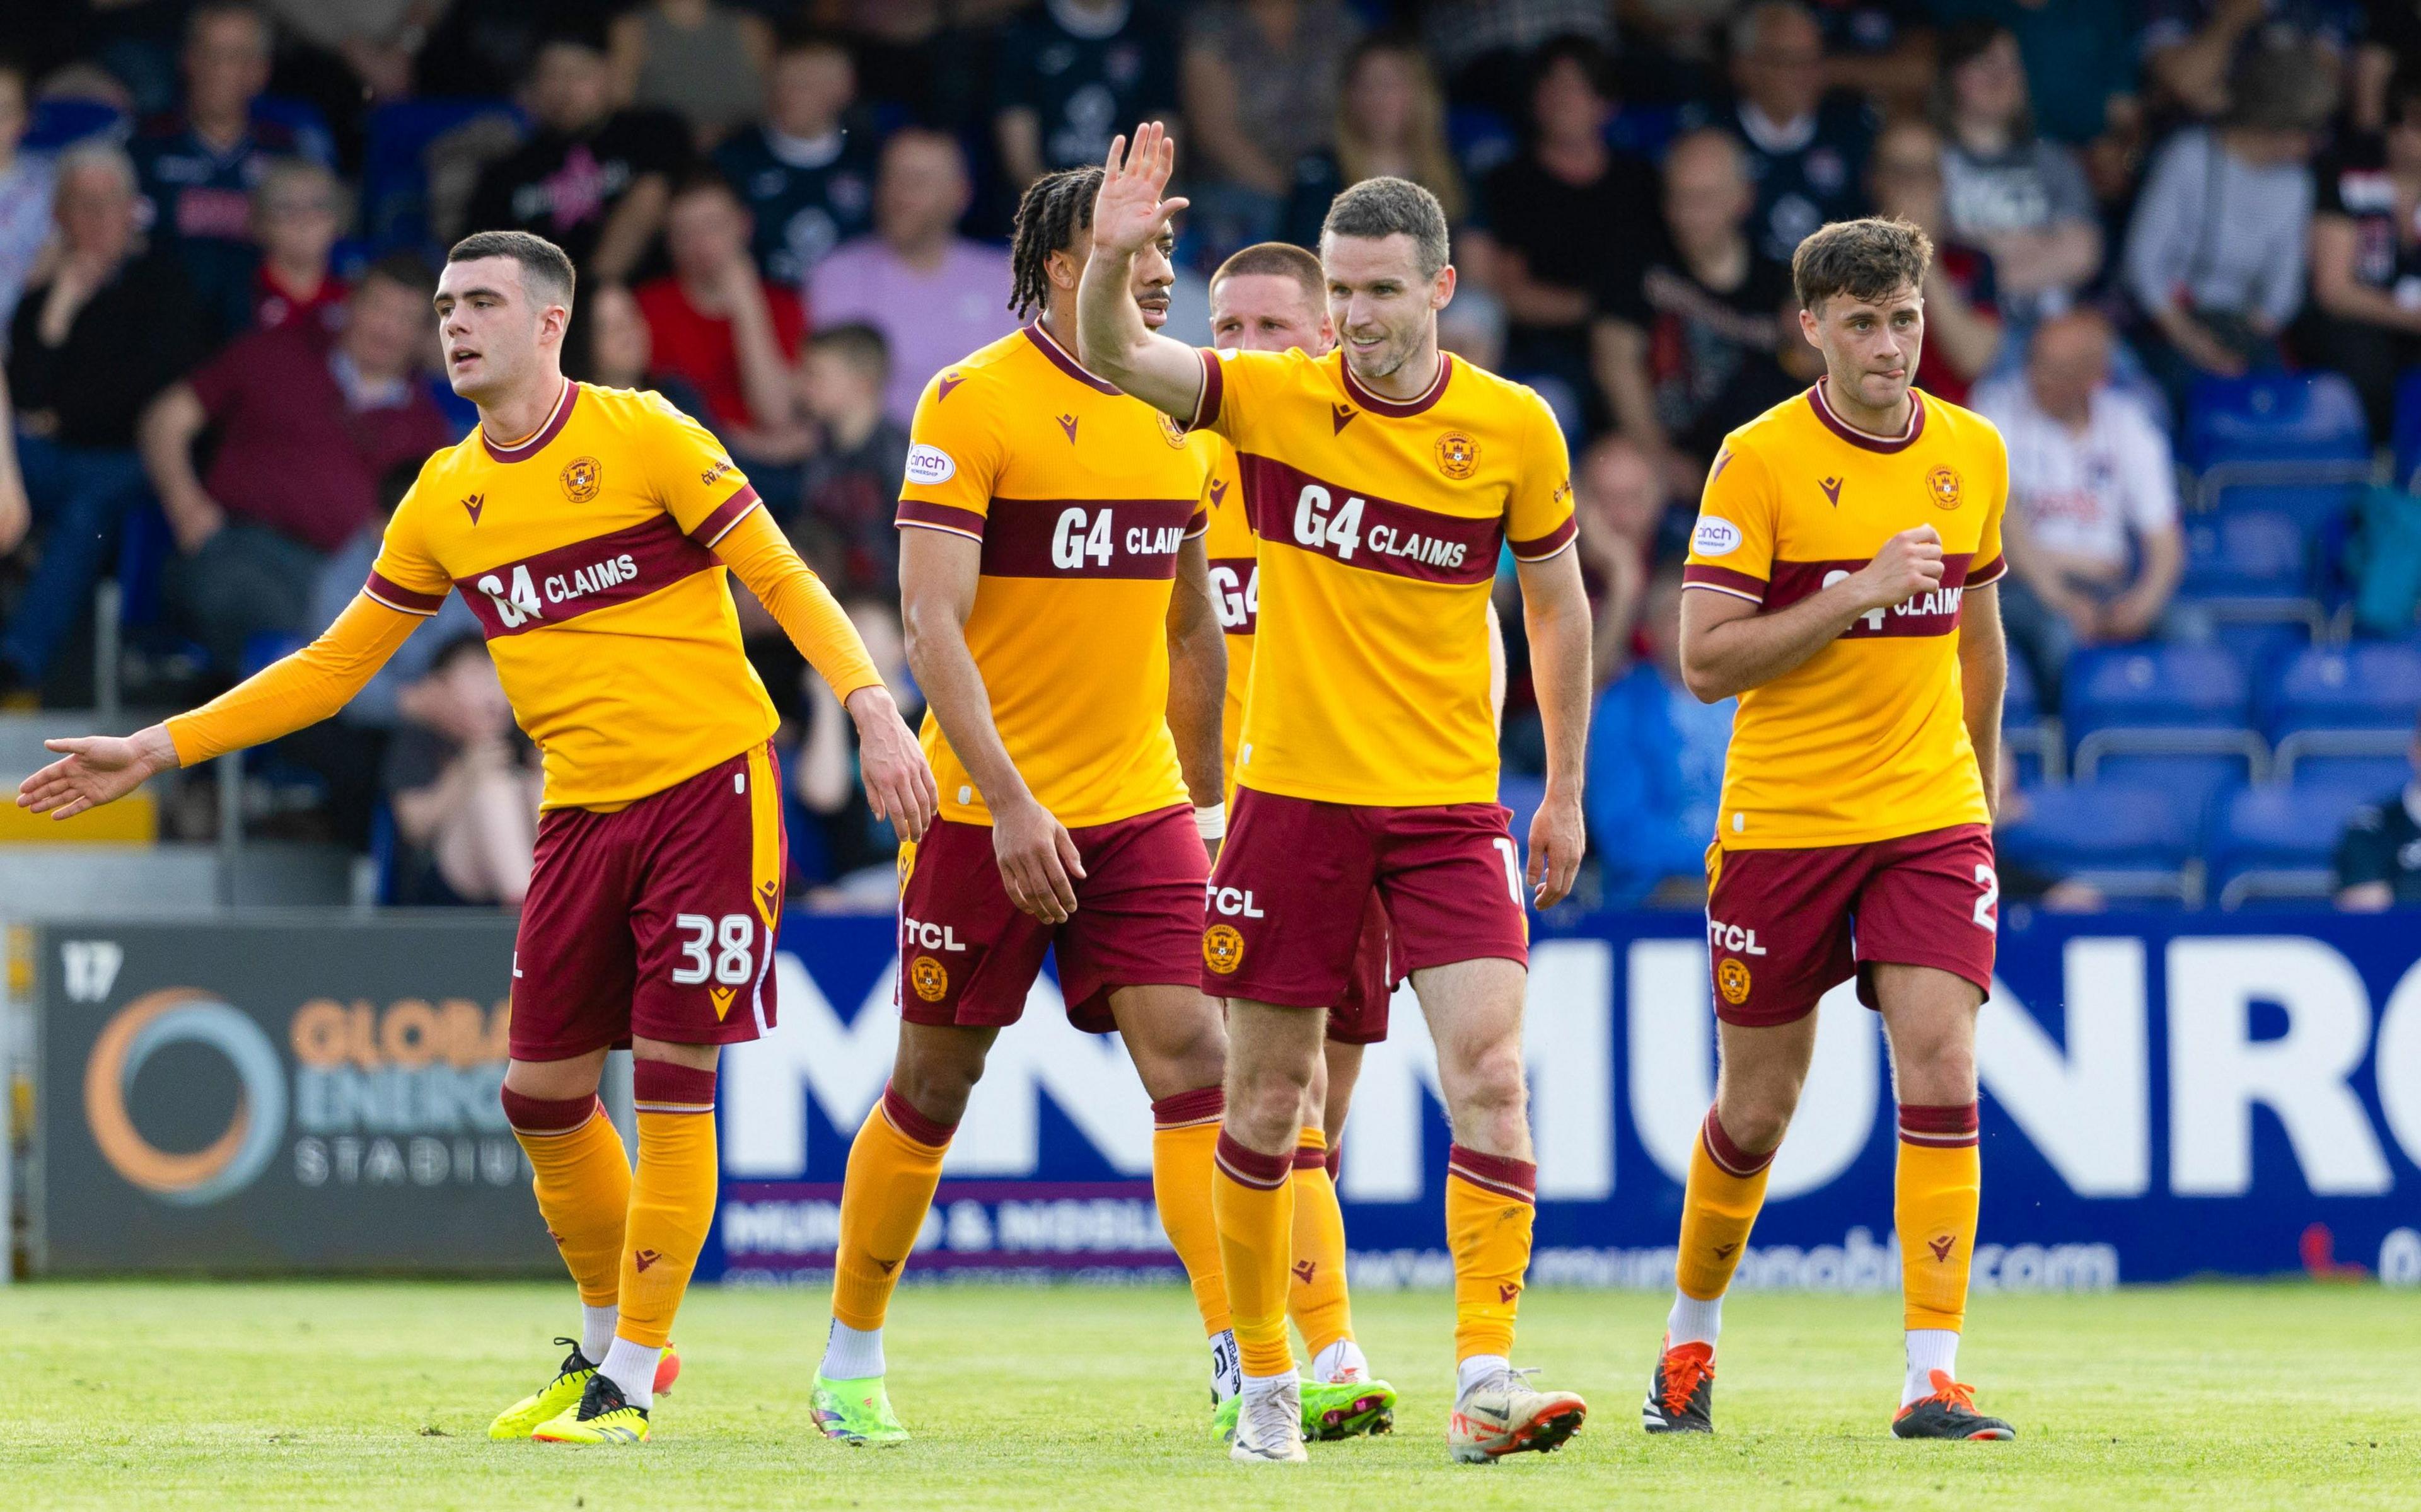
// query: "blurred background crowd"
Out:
[2180,265]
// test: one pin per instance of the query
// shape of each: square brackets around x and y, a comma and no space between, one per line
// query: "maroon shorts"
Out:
[1290,899]
[655,920]
[967,956]
[1360,1016]
[1785,926]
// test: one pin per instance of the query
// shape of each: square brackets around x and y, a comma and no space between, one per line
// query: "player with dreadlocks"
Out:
[1055,594]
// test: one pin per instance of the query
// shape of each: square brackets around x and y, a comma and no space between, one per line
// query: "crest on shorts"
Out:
[1170,430]
[1731,978]
[927,977]
[1943,484]
[1458,454]
[580,479]
[1223,948]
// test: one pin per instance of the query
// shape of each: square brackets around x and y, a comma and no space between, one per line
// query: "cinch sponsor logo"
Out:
[931,464]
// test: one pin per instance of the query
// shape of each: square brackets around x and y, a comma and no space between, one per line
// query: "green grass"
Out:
[378,1396]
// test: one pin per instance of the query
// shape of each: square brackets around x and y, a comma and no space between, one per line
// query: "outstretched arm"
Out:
[899,782]
[1111,338]
[283,698]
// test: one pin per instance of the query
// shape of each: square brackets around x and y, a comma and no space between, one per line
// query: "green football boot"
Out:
[855,1412]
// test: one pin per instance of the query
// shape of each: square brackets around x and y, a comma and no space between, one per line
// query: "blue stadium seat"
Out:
[2374,776]
[60,122]
[2100,830]
[2197,778]
[2033,741]
[2407,429]
[2368,685]
[2155,686]
[1522,794]
[2254,488]
[2246,553]
[2276,842]
[302,117]
[2274,417]
[2260,643]
[395,163]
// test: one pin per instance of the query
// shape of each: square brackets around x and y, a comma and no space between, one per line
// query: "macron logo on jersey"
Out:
[931,464]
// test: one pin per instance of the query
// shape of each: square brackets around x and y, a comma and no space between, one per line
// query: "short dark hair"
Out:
[705,178]
[542,260]
[1580,50]
[470,643]
[1282,259]
[407,268]
[859,345]
[792,39]
[1868,259]
[1381,208]
[1055,207]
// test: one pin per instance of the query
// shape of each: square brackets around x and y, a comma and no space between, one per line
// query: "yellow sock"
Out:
[1939,1184]
[1490,1202]
[894,1165]
[1184,1139]
[1253,1196]
[584,1185]
[1316,1298]
[672,1196]
[1727,1187]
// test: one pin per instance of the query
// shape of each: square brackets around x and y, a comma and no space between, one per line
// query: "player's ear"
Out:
[1808,328]
[1064,269]
[1441,287]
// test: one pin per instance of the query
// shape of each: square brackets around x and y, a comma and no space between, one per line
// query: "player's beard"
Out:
[1397,351]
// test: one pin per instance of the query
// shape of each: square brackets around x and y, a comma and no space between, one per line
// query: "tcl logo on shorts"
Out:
[1236,902]
[930,936]
[1733,938]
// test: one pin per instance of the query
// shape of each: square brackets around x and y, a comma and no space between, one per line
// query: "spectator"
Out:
[297,215]
[464,790]
[110,327]
[307,423]
[379,705]
[26,184]
[2007,191]
[1881,49]
[934,295]
[856,466]
[715,322]
[1962,328]
[201,167]
[1071,74]
[2078,60]
[592,179]
[1565,237]
[2092,491]
[2215,255]
[1691,351]
[2194,49]
[699,60]
[622,352]
[1390,121]
[807,179]
[1655,769]
[1259,84]
[1483,48]
[1619,504]
[340,56]
[2365,318]
[2379,857]
[1807,153]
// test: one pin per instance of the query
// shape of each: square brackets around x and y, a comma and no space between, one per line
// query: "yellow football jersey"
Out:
[584,551]
[1081,497]
[1235,592]
[1867,739]
[1381,523]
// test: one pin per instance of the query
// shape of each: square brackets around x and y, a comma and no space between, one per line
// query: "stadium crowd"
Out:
[2179,231]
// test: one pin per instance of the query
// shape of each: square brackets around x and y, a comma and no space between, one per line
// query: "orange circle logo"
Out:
[1458,455]
[1223,950]
[1731,977]
[242,1151]
[580,476]
[927,977]
[1943,484]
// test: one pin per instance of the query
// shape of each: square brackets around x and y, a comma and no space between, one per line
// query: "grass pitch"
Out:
[167,1394]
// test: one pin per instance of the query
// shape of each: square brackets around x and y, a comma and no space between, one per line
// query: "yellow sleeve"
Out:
[1989,565]
[406,575]
[956,453]
[299,690]
[1731,550]
[1234,384]
[694,476]
[761,556]
[1539,517]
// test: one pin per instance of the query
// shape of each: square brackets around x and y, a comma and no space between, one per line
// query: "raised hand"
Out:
[96,769]
[1129,214]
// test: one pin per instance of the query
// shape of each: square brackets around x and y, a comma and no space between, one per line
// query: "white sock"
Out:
[1929,1349]
[1478,1368]
[1332,1362]
[1692,1321]
[597,1325]
[1262,1385]
[632,1367]
[851,1354]
[1226,1365]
